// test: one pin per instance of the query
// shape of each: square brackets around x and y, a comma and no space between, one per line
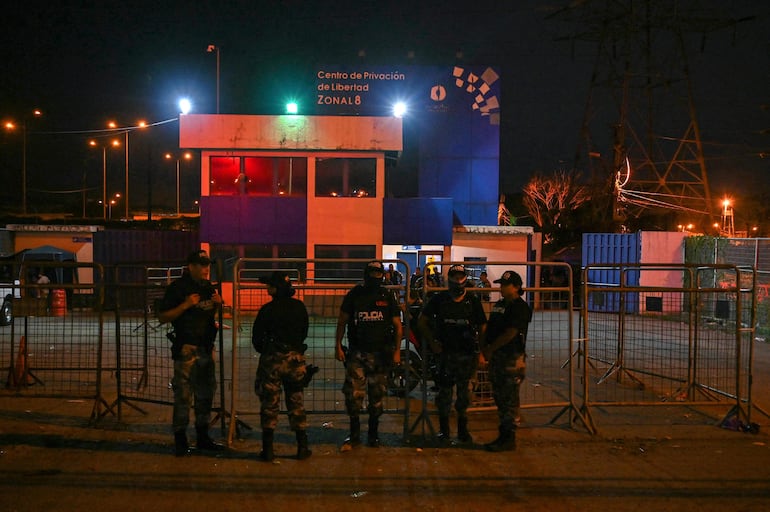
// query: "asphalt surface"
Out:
[641,459]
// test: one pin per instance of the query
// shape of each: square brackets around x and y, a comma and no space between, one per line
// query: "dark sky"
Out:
[84,63]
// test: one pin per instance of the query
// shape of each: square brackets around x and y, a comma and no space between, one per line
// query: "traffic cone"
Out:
[19,376]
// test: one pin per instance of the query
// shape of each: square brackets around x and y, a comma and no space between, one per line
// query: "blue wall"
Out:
[253,220]
[417,221]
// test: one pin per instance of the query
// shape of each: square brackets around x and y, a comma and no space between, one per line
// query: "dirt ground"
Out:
[642,459]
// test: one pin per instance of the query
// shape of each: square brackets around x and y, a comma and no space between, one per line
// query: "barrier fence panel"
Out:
[685,343]
[552,353]
[54,346]
[321,285]
[144,365]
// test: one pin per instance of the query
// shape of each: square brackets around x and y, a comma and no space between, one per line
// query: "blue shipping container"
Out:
[615,250]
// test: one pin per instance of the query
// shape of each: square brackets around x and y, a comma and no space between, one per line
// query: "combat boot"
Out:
[462,430]
[181,448]
[204,442]
[374,437]
[505,442]
[443,429]
[302,450]
[267,445]
[354,439]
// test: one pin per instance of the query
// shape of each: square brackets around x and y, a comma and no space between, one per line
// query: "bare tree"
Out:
[550,199]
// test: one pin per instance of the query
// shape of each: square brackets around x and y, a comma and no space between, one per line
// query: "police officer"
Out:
[453,320]
[278,334]
[371,314]
[190,304]
[504,347]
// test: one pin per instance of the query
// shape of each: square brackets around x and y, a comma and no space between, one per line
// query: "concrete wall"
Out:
[340,133]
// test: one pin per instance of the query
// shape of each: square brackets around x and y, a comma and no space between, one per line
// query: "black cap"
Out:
[199,258]
[277,279]
[374,266]
[509,277]
[456,270]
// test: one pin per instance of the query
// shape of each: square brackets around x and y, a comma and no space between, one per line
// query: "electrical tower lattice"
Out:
[640,86]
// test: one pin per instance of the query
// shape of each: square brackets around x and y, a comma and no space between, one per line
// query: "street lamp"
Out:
[215,48]
[186,156]
[11,126]
[115,144]
[114,125]
[112,202]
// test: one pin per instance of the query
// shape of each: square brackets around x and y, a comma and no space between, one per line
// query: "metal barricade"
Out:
[687,341]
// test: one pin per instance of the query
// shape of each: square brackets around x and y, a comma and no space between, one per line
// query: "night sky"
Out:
[86,63]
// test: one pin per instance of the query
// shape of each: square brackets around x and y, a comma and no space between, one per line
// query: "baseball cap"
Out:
[276,279]
[374,266]
[457,273]
[509,277]
[199,258]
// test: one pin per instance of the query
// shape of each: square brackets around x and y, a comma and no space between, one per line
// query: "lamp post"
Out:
[215,48]
[11,126]
[112,202]
[186,156]
[115,144]
[140,124]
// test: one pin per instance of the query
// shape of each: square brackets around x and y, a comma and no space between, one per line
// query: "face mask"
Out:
[371,281]
[456,289]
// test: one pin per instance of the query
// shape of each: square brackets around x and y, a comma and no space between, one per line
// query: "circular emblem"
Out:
[438,93]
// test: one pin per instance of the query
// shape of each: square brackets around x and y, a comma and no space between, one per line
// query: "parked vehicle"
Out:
[10,288]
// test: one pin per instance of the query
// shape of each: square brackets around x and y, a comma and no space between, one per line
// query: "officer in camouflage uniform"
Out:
[504,347]
[278,334]
[453,319]
[190,303]
[372,316]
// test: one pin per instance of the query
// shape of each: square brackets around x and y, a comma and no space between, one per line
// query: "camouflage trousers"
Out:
[366,375]
[278,371]
[456,369]
[506,373]
[194,382]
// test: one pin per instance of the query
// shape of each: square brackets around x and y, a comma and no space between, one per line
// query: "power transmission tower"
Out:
[640,139]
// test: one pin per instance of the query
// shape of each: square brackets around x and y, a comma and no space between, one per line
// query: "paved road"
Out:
[50,459]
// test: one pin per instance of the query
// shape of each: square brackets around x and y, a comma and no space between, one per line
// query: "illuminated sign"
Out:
[347,90]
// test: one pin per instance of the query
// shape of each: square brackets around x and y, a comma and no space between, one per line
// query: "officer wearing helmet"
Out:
[453,320]
[504,347]
[279,331]
[372,317]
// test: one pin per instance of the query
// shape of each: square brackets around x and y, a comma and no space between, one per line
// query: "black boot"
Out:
[204,442]
[505,442]
[374,436]
[443,429]
[267,445]
[355,434]
[181,448]
[302,450]
[462,430]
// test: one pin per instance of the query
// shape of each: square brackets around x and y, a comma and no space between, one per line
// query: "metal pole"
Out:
[217,79]
[126,174]
[24,167]
[104,183]
[177,187]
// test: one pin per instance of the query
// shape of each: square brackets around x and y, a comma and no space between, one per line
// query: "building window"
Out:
[258,176]
[230,254]
[224,172]
[342,271]
[345,177]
